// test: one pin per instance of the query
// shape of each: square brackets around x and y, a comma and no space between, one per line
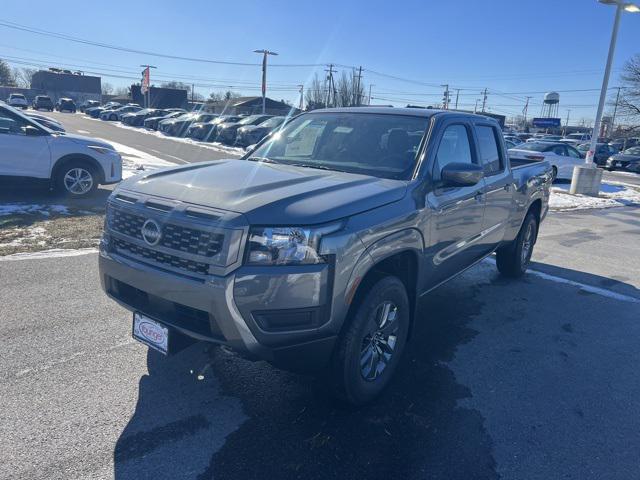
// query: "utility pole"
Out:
[457,95]
[301,97]
[445,97]
[330,85]
[264,76]
[145,87]
[370,85]
[193,87]
[475,109]
[524,111]
[566,123]
[615,109]
[484,99]
[359,99]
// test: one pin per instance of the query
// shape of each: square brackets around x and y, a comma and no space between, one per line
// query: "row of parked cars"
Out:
[44,102]
[235,130]
[566,152]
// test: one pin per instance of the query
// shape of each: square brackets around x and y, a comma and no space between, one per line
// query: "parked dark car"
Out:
[48,122]
[250,134]
[136,119]
[88,104]
[66,105]
[152,122]
[178,127]
[94,112]
[603,152]
[623,143]
[226,132]
[42,102]
[205,131]
[628,160]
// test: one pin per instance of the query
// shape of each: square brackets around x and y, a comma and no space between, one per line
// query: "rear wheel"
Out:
[76,179]
[370,348]
[513,259]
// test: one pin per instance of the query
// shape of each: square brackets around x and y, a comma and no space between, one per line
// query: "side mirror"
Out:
[461,174]
[31,131]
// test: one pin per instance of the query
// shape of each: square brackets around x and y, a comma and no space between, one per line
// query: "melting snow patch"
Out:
[29,208]
[611,195]
[135,161]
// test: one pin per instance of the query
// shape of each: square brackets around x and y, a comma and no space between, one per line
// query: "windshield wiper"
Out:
[262,159]
[319,167]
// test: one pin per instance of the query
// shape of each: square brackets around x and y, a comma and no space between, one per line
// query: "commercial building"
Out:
[63,83]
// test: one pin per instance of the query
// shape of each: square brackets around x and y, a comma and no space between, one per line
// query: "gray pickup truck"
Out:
[312,251]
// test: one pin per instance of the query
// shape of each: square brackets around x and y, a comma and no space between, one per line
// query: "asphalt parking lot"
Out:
[534,378]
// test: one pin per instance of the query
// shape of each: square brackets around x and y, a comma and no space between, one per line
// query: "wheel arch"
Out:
[382,259]
[66,159]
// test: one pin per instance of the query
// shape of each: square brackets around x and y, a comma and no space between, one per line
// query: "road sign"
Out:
[546,122]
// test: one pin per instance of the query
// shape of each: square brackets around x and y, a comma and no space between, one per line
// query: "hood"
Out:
[79,139]
[222,126]
[625,158]
[251,128]
[268,193]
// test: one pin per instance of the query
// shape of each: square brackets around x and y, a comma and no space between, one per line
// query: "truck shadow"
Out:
[293,429]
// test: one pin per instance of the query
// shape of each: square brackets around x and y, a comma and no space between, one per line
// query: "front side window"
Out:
[454,148]
[489,150]
[371,144]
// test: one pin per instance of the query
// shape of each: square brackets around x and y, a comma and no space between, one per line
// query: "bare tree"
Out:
[107,88]
[122,91]
[23,76]
[315,94]
[629,103]
[6,75]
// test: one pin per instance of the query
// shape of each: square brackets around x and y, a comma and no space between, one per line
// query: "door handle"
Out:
[479,196]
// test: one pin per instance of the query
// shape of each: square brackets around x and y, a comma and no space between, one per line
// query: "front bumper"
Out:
[278,314]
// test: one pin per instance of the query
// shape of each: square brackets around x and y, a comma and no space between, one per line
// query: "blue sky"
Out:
[515,48]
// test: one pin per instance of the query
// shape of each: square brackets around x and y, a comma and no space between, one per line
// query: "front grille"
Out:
[175,237]
[188,266]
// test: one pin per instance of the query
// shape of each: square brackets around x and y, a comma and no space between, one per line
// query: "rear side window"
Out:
[489,150]
[454,147]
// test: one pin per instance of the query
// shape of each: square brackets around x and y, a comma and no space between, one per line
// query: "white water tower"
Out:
[550,105]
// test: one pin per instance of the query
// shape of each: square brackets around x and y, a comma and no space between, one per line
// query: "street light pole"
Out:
[586,180]
[264,76]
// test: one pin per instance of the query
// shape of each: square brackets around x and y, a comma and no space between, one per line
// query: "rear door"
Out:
[457,217]
[498,185]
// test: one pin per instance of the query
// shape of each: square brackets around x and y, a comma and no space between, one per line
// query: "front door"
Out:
[458,212]
[21,154]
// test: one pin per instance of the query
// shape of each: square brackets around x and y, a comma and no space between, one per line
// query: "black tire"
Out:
[513,259]
[350,379]
[63,184]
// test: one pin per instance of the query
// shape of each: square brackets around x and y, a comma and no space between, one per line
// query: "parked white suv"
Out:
[72,164]
[18,100]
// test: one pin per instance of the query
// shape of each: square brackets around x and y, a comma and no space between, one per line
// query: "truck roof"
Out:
[413,112]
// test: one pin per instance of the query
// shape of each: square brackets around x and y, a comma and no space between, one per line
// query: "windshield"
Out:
[577,136]
[372,144]
[249,120]
[534,146]
[272,122]
[632,151]
[17,95]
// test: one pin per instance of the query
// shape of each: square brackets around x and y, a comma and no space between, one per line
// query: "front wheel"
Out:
[370,347]
[513,259]
[76,179]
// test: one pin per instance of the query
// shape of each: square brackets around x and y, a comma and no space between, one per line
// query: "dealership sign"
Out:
[546,122]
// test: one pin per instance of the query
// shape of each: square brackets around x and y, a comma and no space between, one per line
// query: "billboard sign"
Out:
[546,122]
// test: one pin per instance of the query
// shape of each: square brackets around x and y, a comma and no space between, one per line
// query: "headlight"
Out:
[103,150]
[286,245]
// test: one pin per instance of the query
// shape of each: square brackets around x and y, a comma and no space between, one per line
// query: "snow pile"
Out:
[136,161]
[215,146]
[612,194]
[31,208]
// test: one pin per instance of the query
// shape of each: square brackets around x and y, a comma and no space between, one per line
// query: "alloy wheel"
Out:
[78,181]
[378,345]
